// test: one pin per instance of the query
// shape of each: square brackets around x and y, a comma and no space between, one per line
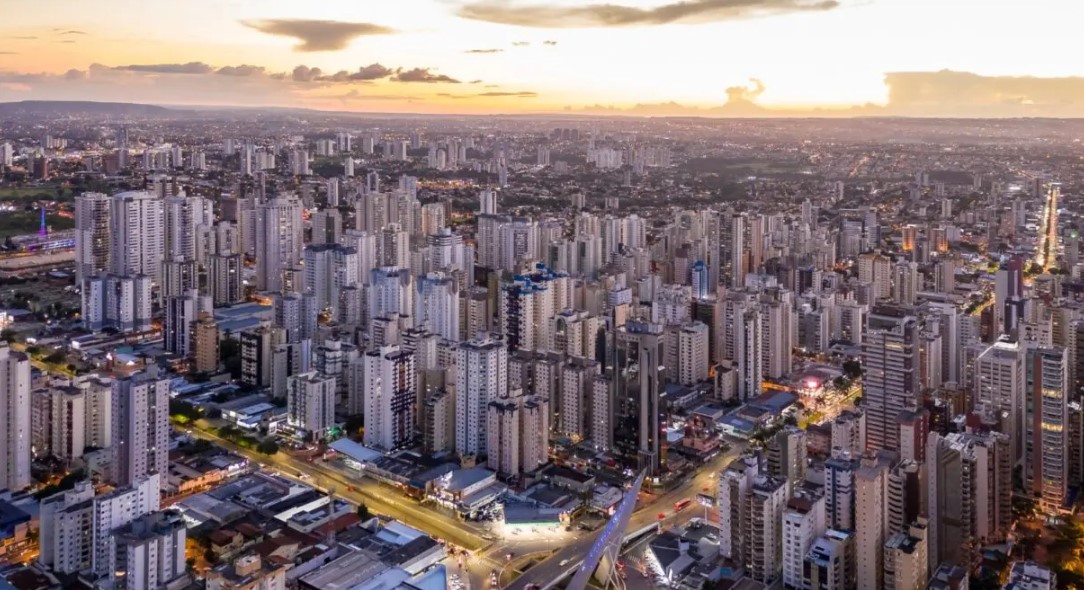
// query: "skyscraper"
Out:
[92,236]
[278,241]
[137,234]
[891,381]
[140,426]
[14,419]
[389,396]
[436,305]
[1046,427]
[481,378]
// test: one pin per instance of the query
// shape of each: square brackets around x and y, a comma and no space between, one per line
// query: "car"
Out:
[563,563]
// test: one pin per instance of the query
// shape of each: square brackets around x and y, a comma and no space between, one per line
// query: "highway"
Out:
[378,498]
[551,569]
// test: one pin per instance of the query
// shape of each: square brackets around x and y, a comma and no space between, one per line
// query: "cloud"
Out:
[241,71]
[549,43]
[744,94]
[949,93]
[318,35]
[9,53]
[617,15]
[68,41]
[475,82]
[484,51]
[423,75]
[355,95]
[489,95]
[521,44]
[70,32]
[192,67]
[26,37]
[364,74]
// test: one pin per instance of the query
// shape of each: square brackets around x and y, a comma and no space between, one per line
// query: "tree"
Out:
[268,447]
[363,512]
[852,369]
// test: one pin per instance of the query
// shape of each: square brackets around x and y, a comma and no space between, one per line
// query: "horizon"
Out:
[651,57]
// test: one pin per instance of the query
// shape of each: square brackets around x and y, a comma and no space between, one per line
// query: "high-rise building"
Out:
[692,354]
[1046,427]
[257,346]
[906,561]
[638,384]
[329,268]
[829,565]
[296,314]
[871,486]
[92,236]
[751,507]
[137,234]
[151,551]
[140,418]
[999,388]
[436,305]
[503,436]
[14,419]
[119,302]
[79,529]
[839,490]
[803,522]
[278,241]
[391,294]
[310,402]
[183,216]
[181,314]
[481,377]
[890,384]
[388,380]
[205,344]
[968,484]
[224,279]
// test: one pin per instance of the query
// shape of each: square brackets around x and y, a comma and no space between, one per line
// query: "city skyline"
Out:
[637,57]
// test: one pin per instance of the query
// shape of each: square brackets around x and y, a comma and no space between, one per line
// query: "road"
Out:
[572,554]
[378,498]
[1046,251]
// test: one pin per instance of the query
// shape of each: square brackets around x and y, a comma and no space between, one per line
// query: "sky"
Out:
[651,57]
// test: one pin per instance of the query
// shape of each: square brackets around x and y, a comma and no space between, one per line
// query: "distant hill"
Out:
[62,108]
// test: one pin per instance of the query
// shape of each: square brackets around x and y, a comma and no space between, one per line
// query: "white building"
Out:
[871,486]
[999,387]
[279,234]
[803,521]
[137,234]
[329,268]
[481,377]
[692,355]
[120,302]
[140,418]
[906,560]
[503,436]
[15,423]
[388,378]
[436,305]
[310,402]
[92,236]
[151,551]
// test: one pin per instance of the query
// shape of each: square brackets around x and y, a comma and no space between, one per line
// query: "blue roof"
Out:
[355,451]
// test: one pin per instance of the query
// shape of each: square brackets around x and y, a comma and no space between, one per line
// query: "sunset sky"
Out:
[768,57]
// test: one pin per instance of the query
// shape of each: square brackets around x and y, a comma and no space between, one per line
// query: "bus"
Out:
[682,504]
